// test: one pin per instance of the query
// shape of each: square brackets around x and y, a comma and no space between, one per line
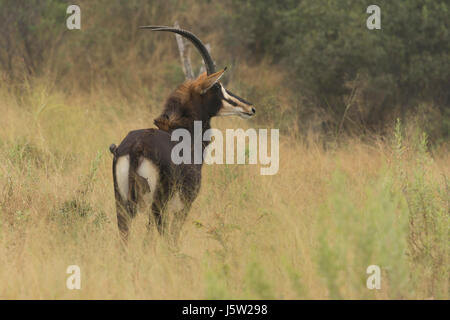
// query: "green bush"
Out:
[31,30]
[330,53]
[346,76]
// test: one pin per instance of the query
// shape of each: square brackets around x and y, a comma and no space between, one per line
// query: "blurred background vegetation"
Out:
[356,186]
[314,63]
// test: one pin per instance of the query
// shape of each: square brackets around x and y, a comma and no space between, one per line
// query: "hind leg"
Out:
[123,222]
[121,168]
[157,218]
[177,224]
[124,217]
[126,211]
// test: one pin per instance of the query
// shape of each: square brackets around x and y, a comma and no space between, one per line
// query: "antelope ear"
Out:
[206,82]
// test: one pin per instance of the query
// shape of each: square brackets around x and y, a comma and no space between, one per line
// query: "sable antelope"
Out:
[145,177]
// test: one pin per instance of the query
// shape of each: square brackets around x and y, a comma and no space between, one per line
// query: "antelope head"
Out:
[202,98]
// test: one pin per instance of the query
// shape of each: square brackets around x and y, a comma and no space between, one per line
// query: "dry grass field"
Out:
[338,204]
[308,232]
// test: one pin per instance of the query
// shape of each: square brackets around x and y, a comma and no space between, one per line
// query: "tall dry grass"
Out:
[309,231]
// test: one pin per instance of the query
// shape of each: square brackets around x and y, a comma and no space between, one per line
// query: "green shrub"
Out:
[329,53]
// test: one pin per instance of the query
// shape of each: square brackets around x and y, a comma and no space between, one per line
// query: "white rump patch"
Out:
[122,172]
[150,172]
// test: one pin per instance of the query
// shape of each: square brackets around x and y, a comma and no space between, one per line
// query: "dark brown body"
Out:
[182,179]
[145,177]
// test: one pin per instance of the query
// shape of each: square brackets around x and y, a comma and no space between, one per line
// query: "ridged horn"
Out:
[209,63]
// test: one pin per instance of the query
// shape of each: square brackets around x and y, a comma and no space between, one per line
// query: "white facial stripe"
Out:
[230,110]
[225,93]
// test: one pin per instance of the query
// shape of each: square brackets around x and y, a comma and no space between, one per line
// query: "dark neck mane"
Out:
[175,121]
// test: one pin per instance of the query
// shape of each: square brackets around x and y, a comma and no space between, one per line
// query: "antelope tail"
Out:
[113,148]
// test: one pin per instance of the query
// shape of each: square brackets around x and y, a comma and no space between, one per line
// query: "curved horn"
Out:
[209,63]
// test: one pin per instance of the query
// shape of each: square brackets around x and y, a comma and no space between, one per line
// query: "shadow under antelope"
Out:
[145,177]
